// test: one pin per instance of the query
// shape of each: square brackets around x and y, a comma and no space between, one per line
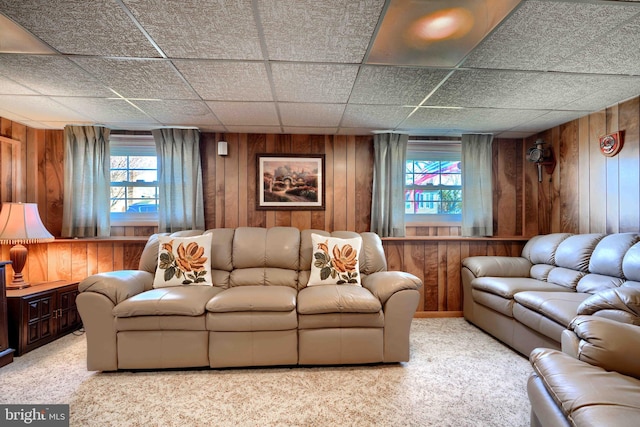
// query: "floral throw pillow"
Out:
[335,261]
[183,261]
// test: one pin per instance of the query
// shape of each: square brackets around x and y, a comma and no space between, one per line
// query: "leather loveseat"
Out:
[258,310]
[528,301]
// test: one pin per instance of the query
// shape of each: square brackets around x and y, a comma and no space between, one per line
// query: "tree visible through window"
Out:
[433,186]
[134,178]
[134,184]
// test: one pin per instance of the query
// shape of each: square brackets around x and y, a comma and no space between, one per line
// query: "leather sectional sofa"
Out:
[258,310]
[571,303]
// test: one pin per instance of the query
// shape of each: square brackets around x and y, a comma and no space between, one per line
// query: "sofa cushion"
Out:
[607,257]
[587,395]
[507,287]
[253,298]
[558,306]
[337,299]
[183,261]
[335,261]
[179,301]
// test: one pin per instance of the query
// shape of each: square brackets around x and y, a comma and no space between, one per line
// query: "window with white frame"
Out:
[433,181]
[134,179]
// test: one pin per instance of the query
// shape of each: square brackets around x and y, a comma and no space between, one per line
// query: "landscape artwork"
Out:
[290,181]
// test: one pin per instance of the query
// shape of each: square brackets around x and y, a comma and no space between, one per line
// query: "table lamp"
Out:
[20,224]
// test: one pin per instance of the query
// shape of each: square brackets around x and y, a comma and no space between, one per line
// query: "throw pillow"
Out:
[183,261]
[335,261]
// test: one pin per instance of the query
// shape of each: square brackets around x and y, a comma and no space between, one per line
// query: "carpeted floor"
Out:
[457,376]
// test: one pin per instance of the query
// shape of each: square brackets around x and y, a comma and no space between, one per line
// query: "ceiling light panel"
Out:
[135,78]
[222,29]
[96,27]
[313,82]
[437,32]
[394,85]
[540,34]
[322,31]
[226,80]
[51,75]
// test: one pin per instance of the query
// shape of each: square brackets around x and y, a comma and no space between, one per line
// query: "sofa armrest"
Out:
[611,345]
[384,284]
[621,304]
[497,266]
[117,285]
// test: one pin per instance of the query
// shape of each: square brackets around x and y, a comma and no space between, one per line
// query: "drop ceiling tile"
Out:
[608,55]
[611,90]
[323,31]
[245,113]
[539,34]
[374,116]
[254,129]
[515,89]
[312,115]
[97,27]
[180,113]
[468,119]
[394,85]
[149,79]
[227,81]
[103,110]
[9,87]
[39,108]
[221,29]
[548,120]
[356,131]
[48,125]
[51,75]
[311,130]
[313,82]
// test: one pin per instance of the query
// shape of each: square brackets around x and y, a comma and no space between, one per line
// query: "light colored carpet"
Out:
[457,376]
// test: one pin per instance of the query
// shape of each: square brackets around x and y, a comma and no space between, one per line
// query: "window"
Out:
[134,179]
[433,181]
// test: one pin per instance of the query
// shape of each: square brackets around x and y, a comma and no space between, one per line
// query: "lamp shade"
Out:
[20,223]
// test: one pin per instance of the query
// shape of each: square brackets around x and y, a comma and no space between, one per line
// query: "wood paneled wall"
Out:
[588,192]
[230,181]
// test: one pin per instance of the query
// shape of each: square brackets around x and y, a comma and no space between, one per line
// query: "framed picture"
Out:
[290,181]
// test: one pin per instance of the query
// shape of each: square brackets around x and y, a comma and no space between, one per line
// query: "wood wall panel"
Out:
[586,193]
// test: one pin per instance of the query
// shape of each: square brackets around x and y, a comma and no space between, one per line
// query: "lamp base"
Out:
[18,257]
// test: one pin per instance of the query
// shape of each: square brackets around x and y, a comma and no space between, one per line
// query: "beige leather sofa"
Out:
[576,293]
[528,301]
[595,379]
[258,312]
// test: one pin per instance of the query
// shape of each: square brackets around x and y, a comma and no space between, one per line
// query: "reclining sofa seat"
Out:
[258,312]
[528,301]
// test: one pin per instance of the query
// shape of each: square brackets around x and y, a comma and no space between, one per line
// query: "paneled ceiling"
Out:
[511,68]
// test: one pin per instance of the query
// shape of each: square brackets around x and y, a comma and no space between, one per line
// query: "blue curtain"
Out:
[387,200]
[180,204]
[477,185]
[86,206]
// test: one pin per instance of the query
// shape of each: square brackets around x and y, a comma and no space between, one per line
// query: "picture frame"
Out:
[290,182]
